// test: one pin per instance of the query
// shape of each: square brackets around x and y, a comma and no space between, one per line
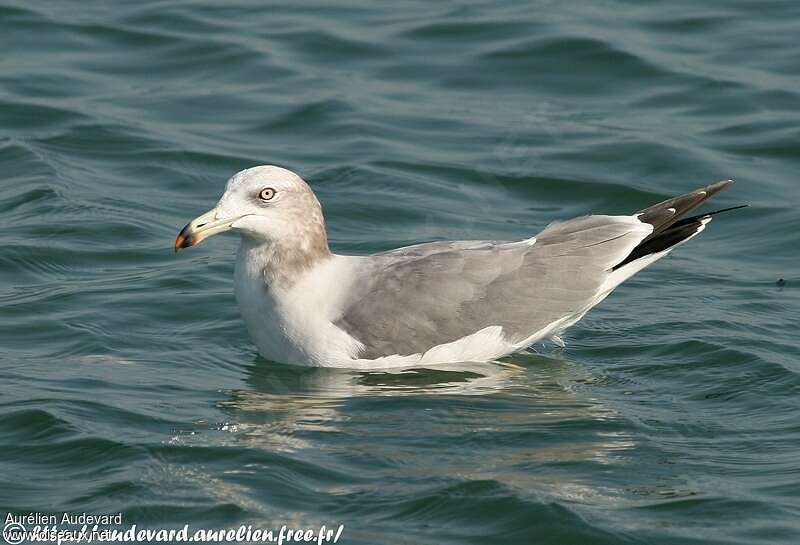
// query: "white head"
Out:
[267,205]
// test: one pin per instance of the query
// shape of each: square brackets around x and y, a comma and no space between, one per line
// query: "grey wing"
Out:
[415,298]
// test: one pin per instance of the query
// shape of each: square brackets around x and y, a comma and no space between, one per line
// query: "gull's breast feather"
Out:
[295,323]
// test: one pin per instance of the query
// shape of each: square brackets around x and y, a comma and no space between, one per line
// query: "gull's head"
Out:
[266,204]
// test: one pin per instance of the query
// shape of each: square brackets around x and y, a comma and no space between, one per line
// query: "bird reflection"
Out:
[286,408]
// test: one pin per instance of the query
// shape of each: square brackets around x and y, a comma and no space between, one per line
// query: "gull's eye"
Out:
[266,194]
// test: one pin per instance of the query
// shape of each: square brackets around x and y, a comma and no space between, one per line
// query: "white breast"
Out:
[295,324]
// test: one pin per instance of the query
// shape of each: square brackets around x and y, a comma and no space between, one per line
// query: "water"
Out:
[129,384]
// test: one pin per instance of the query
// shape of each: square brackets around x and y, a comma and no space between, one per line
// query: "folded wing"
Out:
[416,298]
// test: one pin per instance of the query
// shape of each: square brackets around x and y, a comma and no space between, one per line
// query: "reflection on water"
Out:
[525,414]
[285,401]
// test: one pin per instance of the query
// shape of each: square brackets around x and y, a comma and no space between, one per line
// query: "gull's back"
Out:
[414,299]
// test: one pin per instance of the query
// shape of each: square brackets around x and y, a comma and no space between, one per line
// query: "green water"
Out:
[128,381]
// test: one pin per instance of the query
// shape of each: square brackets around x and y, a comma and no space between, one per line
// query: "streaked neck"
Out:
[283,262]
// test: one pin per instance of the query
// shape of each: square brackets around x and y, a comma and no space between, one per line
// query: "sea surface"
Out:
[129,385]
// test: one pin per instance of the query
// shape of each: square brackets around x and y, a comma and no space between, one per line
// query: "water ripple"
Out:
[129,381]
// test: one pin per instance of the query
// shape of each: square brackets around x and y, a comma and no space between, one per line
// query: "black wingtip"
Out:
[715,188]
[722,183]
[726,210]
[686,221]
[670,227]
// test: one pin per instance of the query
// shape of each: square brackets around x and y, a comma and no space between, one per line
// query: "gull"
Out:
[436,302]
